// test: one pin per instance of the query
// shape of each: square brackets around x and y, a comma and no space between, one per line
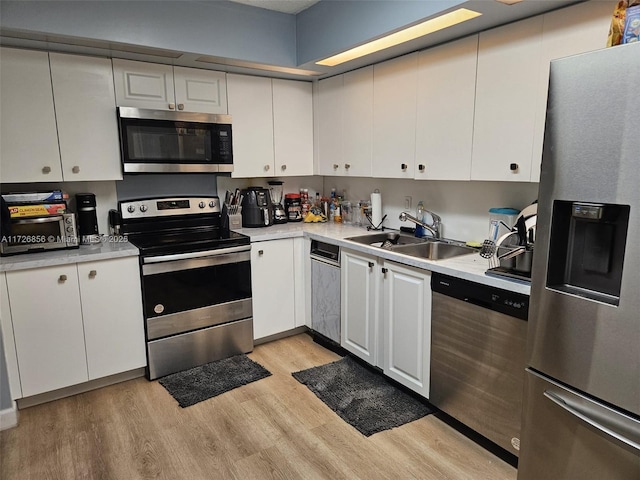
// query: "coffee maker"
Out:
[277,194]
[257,210]
[87,218]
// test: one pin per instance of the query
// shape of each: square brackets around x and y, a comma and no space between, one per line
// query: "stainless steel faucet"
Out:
[434,228]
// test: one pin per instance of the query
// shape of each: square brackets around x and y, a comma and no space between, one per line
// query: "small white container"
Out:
[501,221]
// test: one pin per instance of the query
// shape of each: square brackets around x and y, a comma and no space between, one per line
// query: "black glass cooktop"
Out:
[182,241]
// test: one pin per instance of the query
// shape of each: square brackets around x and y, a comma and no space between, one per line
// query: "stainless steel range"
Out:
[196,282]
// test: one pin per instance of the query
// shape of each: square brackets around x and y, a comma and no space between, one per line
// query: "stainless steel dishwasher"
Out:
[325,289]
[478,343]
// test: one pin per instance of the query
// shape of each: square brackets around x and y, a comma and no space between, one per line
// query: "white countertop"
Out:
[104,250]
[468,267]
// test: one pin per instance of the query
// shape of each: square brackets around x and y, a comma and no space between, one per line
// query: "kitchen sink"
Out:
[433,250]
[386,240]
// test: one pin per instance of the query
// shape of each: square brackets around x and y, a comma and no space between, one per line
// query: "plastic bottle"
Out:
[420,216]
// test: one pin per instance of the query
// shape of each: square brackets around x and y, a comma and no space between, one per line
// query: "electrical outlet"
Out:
[407,203]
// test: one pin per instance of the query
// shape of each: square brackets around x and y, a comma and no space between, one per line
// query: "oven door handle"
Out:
[186,256]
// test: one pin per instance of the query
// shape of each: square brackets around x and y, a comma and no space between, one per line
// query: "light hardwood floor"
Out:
[273,428]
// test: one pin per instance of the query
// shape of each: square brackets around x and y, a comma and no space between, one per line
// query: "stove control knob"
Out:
[212,203]
[201,204]
[131,209]
[143,208]
[68,220]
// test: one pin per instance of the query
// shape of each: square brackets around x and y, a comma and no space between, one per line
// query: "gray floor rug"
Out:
[200,383]
[361,397]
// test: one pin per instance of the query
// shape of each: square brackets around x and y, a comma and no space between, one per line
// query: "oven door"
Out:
[186,292]
[164,142]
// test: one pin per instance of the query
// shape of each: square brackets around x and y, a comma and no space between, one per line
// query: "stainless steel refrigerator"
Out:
[581,413]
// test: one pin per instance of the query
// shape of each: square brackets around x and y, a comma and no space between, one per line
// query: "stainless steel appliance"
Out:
[196,282]
[325,289]
[158,141]
[581,414]
[37,227]
[478,339]
[257,210]
[87,218]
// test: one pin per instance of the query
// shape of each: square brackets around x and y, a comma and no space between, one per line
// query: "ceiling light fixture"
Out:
[432,25]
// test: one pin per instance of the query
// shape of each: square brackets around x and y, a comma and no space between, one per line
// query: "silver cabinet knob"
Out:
[76,169]
[260,252]
[370,264]
[514,167]
[336,166]
[347,166]
[267,167]
[62,278]
[181,106]
[92,274]
[403,166]
[283,168]
[172,106]
[421,167]
[46,170]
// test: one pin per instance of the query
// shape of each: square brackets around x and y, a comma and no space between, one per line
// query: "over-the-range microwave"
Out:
[157,141]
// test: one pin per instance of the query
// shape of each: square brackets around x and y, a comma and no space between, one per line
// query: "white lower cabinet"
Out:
[272,286]
[386,317]
[407,325]
[360,276]
[74,323]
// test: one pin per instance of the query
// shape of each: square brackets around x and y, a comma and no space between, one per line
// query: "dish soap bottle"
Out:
[420,216]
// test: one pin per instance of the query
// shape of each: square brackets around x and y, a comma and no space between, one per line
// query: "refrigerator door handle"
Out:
[561,402]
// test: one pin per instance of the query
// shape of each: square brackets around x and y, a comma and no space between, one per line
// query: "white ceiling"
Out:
[284,6]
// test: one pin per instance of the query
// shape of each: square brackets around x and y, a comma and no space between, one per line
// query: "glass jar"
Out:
[347,212]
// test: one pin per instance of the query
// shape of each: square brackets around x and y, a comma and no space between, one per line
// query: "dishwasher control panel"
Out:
[492,298]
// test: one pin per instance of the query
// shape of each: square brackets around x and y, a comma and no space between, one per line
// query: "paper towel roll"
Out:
[376,208]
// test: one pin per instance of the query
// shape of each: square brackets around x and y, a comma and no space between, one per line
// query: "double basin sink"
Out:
[425,248]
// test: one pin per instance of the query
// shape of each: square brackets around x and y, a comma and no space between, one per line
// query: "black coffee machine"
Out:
[87,218]
[257,210]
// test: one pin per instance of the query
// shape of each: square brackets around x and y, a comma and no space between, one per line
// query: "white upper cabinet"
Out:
[293,127]
[357,123]
[506,101]
[330,135]
[164,87]
[199,90]
[29,147]
[569,31]
[446,96]
[251,109]
[394,117]
[85,110]
[272,126]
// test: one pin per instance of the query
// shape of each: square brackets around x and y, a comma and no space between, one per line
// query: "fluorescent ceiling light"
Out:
[410,33]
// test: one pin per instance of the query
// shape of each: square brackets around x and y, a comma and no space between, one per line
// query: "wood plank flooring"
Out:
[271,429]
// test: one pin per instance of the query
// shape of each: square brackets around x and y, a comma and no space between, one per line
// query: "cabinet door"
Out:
[85,111]
[407,326]
[29,148]
[357,123]
[292,127]
[506,101]
[446,96]
[47,324]
[199,90]
[330,109]
[272,275]
[569,31]
[250,106]
[8,342]
[359,284]
[112,315]
[395,85]
[143,85]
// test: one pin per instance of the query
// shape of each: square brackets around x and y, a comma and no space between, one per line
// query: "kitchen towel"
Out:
[206,381]
[361,397]
[376,208]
